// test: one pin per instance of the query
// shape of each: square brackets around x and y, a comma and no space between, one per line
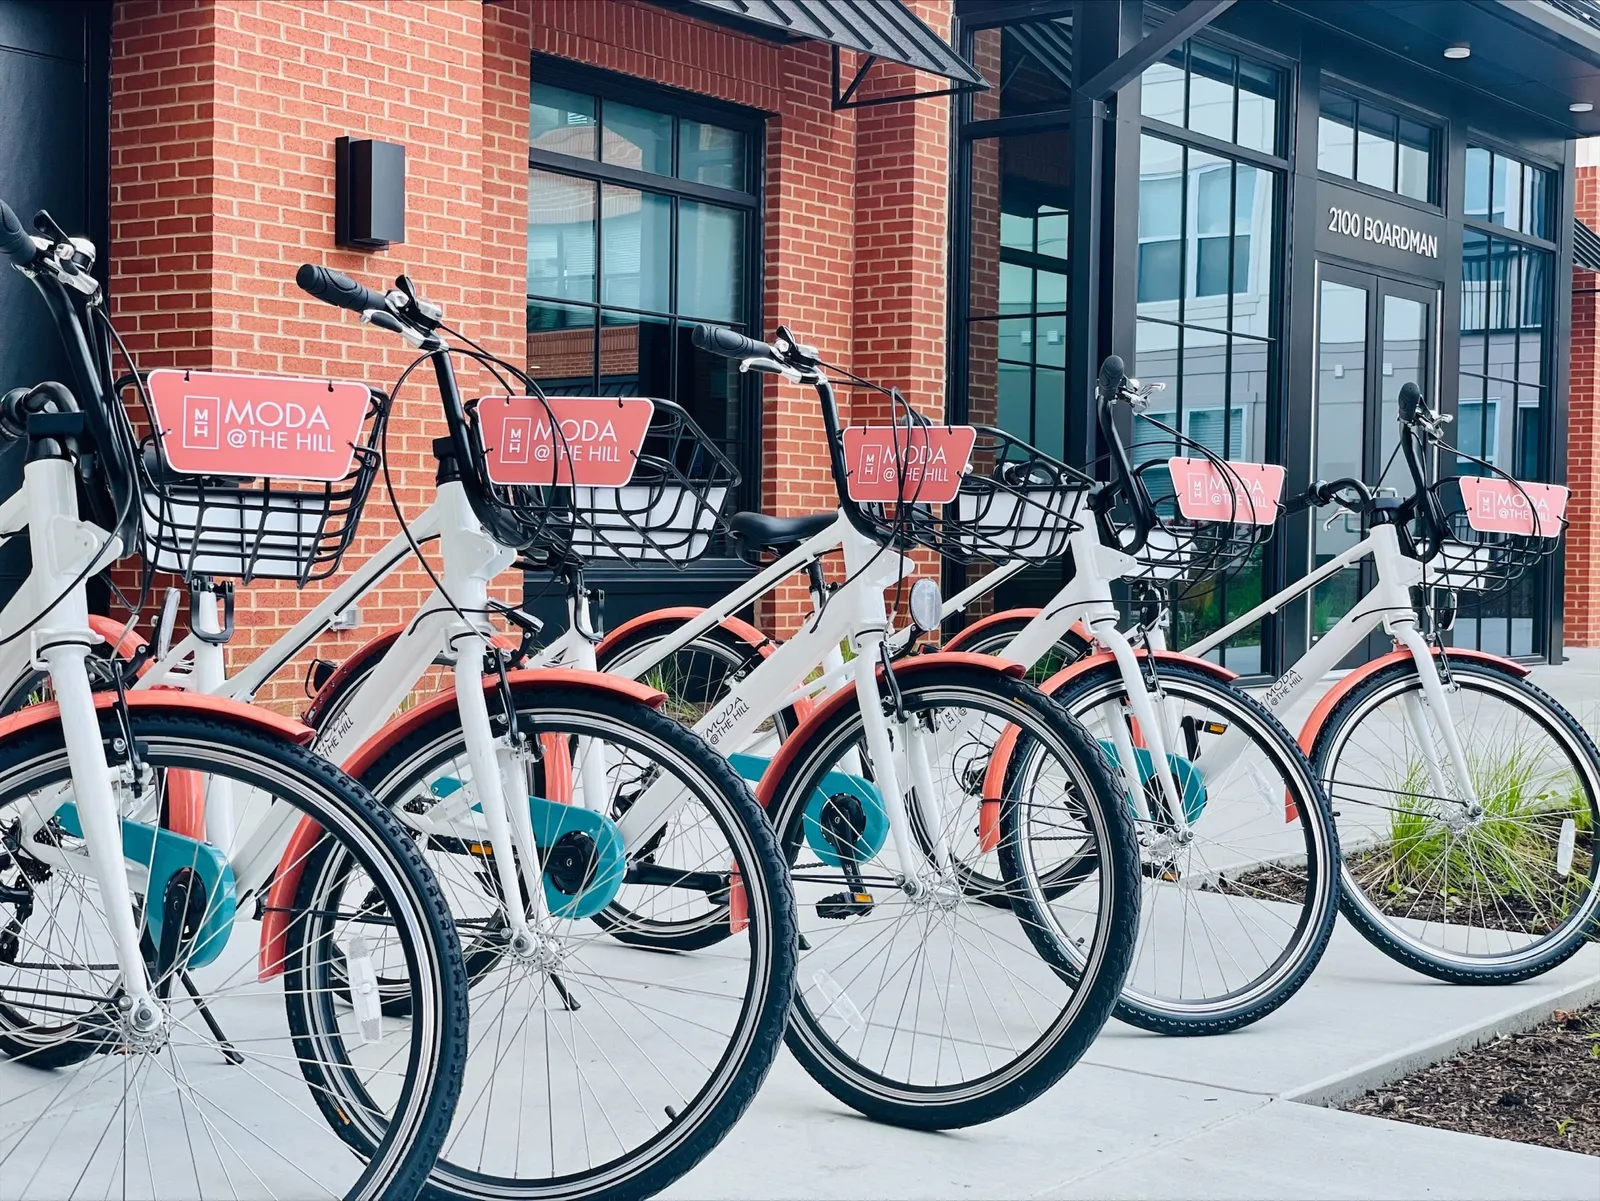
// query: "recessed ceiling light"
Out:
[1580,106]
[1461,51]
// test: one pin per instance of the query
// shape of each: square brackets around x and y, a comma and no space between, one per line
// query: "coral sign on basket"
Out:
[1248,493]
[279,427]
[1502,507]
[888,464]
[589,442]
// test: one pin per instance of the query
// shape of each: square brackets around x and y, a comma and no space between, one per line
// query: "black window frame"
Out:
[1366,97]
[746,448]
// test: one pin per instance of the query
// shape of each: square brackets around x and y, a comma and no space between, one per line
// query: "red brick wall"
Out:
[1582,621]
[224,115]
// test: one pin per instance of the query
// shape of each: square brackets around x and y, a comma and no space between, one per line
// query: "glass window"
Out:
[1336,135]
[1503,191]
[618,276]
[637,138]
[1503,406]
[561,121]
[710,154]
[1375,147]
[561,212]
[1216,93]
[1368,143]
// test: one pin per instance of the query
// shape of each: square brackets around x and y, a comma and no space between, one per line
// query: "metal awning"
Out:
[882,30]
[1585,246]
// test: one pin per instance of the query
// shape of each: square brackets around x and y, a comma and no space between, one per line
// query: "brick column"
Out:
[222,184]
[1582,619]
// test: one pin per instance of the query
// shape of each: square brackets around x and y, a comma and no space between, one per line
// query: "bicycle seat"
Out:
[756,532]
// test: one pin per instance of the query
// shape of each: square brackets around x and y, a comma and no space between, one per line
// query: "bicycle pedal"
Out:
[1156,871]
[842,905]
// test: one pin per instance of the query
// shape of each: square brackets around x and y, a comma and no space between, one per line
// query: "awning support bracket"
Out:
[846,98]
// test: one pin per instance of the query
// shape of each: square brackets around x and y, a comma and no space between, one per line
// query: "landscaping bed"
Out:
[1540,1087]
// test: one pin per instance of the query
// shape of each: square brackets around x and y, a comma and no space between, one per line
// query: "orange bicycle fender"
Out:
[905,669]
[1346,685]
[994,778]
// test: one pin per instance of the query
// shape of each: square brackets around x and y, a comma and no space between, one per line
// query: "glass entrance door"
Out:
[1373,336]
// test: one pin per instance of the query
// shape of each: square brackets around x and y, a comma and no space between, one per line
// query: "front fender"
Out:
[1354,679]
[286,880]
[905,669]
[994,778]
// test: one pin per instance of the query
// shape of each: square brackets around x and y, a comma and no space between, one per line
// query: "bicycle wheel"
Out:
[1234,916]
[233,1093]
[597,1067]
[1495,892]
[928,1008]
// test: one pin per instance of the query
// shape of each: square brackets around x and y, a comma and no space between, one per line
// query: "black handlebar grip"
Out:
[717,339]
[1410,402]
[1112,372]
[15,243]
[338,290]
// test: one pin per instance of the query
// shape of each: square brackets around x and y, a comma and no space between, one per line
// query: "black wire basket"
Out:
[672,510]
[1014,502]
[1189,556]
[250,527]
[1473,560]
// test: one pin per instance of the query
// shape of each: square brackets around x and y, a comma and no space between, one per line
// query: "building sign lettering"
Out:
[1382,233]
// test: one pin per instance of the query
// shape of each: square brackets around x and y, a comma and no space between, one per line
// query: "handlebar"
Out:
[15,243]
[339,290]
[730,344]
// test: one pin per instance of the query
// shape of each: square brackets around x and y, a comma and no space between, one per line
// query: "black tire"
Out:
[401,1148]
[1086,1001]
[710,662]
[1546,718]
[1268,927]
[767,988]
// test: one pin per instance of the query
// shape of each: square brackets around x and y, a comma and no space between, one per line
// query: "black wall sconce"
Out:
[369,193]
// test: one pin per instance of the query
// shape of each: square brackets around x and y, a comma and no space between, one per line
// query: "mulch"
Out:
[1540,1087]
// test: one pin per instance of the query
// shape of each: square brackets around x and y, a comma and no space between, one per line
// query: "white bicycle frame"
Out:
[452,625]
[1389,606]
[66,552]
[854,613]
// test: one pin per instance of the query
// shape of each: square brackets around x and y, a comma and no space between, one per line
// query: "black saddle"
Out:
[755,533]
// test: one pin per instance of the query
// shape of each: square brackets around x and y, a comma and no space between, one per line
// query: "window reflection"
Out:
[1382,149]
[1217,93]
[1506,192]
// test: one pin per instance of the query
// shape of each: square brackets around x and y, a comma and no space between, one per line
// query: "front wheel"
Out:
[1490,886]
[599,1068]
[920,1004]
[1236,913]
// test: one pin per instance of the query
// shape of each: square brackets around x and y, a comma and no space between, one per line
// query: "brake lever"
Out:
[772,367]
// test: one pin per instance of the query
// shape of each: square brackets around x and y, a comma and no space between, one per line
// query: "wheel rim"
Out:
[1487,894]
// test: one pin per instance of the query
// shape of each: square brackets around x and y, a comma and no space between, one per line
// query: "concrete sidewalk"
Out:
[1145,1116]
[1229,1117]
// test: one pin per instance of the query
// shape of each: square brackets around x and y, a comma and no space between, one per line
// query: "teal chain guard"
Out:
[552,820]
[835,783]
[165,853]
[1185,774]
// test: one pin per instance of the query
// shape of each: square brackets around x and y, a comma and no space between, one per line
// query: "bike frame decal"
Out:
[889,464]
[1249,493]
[589,442]
[213,423]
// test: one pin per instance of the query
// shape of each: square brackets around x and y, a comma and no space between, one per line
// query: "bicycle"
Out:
[682,1048]
[859,793]
[1244,912]
[129,1009]
[1465,797]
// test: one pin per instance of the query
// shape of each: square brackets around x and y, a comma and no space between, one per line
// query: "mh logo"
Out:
[202,422]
